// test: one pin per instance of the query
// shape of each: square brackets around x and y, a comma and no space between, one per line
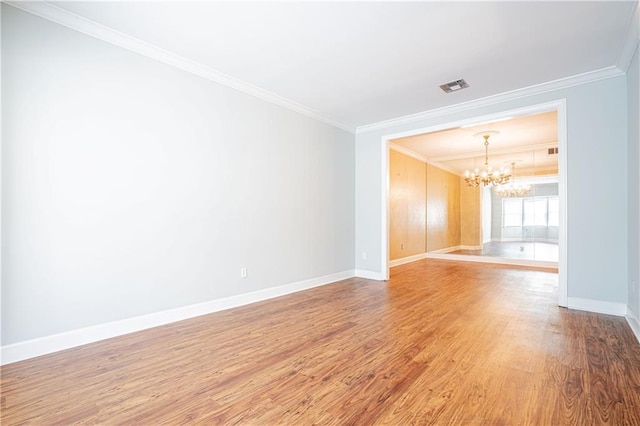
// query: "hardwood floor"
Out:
[441,343]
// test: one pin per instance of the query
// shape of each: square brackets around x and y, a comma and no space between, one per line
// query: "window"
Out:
[530,211]
[535,211]
[511,212]
[554,211]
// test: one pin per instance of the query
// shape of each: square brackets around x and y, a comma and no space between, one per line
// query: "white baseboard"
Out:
[598,306]
[455,248]
[408,259]
[445,250]
[489,259]
[69,339]
[370,275]
[634,323]
[414,258]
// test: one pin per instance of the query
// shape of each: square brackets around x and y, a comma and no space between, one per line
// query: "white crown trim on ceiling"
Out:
[71,20]
[495,99]
[631,40]
[419,157]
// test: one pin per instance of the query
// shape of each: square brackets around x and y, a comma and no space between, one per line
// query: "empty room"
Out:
[291,213]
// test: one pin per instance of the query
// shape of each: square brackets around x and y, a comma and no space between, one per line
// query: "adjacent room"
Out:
[286,213]
[517,220]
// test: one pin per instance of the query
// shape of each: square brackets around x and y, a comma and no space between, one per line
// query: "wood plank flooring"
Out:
[441,343]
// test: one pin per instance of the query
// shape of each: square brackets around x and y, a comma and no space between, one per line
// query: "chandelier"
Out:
[513,189]
[488,176]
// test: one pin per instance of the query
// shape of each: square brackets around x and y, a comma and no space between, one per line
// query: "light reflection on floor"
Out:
[528,250]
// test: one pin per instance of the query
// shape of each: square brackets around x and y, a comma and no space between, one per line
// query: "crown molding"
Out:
[632,39]
[562,83]
[445,168]
[420,157]
[494,151]
[437,160]
[407,152]
[86,26]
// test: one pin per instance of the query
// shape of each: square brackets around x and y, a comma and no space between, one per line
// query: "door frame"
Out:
[560,106]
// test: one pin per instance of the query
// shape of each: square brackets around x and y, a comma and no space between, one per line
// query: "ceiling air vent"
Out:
[454,86]
[552,151]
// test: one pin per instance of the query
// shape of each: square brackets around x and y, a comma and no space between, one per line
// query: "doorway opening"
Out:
[433,210]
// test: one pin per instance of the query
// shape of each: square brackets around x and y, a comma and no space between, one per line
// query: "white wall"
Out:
[597,208]
[130,187]
[633,89]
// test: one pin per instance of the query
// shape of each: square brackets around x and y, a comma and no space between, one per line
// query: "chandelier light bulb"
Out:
[513,189]
[488,176]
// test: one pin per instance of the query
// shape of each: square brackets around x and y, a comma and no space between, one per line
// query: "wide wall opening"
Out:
[489,191]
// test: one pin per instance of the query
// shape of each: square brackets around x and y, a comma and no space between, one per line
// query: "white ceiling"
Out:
[524,140]
[358,63]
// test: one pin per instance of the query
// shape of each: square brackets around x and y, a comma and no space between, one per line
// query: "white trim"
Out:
[446,249]
[562,83]
[495,260]
[1,186]
[455,248]
[69,339]
[528,110]
[408,259]
[498,151]
[560,106]
[634,323]
[445,168]
[384,208]
[597,306]
[370,275]
[631,39]
[419,157]
[563,293]
[470,247]
[86,26]
[407,152]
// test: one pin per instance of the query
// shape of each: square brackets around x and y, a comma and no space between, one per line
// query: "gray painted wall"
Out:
[597,210]
[633,92]
[130,187]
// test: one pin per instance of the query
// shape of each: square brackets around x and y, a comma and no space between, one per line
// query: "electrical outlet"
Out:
[243,272]
[364,255]
[402,246]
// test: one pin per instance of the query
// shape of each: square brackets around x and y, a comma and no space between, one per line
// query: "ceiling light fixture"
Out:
[513,189]
[488,176]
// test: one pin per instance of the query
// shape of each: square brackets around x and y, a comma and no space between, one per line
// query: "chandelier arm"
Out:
[488,177]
